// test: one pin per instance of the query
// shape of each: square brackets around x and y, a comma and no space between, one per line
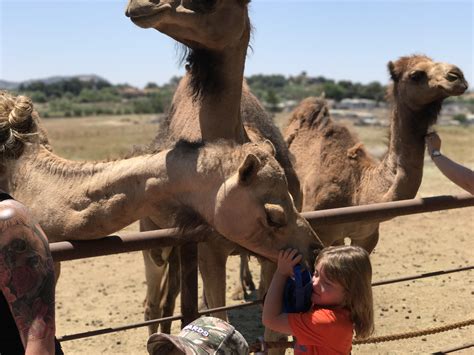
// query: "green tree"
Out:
[461,118]
[334,91]
[272,100]
[151,86]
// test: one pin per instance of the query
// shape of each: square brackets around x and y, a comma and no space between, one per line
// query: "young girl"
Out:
[341,298]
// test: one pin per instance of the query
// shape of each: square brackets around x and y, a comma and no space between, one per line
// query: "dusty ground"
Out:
[109,291]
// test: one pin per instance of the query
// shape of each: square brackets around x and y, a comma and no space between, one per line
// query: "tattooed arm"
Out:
[27,277]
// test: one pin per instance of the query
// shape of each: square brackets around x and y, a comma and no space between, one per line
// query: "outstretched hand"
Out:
[433,142]
[287,259]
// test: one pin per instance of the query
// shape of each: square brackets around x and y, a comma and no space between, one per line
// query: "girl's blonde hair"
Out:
[350,267]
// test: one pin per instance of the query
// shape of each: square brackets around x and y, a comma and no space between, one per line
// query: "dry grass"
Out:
[97,138]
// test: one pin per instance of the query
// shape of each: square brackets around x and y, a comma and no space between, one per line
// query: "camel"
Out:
[219,184]
[336,171]
[212,102]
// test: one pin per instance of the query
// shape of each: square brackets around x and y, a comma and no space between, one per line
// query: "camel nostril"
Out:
[452,76]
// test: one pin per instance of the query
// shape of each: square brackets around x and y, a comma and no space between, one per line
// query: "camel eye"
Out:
[276,216]
[417,75]
[273,223]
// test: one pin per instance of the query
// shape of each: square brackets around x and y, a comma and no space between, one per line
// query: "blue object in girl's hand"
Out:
[298,290]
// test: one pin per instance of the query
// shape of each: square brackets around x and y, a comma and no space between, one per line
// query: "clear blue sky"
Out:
[338,39]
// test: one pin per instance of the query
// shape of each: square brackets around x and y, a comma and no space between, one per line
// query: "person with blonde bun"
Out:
[27,280]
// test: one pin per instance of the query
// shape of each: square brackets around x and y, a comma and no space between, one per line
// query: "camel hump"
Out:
[17,125]
[312,112]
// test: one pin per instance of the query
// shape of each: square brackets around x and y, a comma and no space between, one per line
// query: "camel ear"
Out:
[269,147]
[393,72]
[249,169]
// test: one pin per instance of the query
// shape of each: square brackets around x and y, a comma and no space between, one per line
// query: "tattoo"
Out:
[26,273]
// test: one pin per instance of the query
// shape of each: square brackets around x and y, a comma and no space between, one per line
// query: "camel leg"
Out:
[212,261]
[246,281]
[157,278]
[368,243]
[174,288]
[268,268]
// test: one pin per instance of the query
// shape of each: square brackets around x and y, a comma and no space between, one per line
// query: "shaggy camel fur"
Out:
[211,102]
[222,184]
[336,171]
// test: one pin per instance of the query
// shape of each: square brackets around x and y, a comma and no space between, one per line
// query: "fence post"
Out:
[189,282]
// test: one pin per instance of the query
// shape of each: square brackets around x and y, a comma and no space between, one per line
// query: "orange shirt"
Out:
[322,331]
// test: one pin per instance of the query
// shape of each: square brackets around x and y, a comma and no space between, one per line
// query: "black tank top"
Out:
[10,341]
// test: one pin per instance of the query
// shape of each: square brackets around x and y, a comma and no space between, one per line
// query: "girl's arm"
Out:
[27,277]
[273,316]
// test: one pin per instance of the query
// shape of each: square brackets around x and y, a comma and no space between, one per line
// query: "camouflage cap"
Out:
[204,336]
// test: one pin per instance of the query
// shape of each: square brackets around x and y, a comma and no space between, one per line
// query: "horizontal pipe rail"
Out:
[387,210]
[121,243]
[70,250]
[236,306]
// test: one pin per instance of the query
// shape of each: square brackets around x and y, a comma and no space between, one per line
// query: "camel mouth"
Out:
[147,19]
[455,90]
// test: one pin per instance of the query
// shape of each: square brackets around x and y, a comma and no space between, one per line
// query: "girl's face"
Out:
[325,292]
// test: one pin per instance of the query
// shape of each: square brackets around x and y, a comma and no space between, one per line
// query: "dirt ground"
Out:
[109,291]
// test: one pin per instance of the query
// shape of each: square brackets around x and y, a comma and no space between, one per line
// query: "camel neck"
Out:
[404,159]
[220,115]
[83,196]
[207,103]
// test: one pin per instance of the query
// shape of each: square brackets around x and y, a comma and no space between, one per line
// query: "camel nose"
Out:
[141,7]
[456,77]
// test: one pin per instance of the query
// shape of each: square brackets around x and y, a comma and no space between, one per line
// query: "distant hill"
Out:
[10,85]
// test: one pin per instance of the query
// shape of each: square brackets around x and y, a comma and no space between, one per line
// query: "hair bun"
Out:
[17,124]
[21,113]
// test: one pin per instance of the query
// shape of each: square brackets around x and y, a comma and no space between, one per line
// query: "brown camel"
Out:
[336,171]
[220,183]
[211,102]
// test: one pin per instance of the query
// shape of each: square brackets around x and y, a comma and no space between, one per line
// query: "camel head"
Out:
[254,208]
[198,24]
[420,83]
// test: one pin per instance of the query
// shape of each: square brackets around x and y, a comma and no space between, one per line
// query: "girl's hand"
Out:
[287,259]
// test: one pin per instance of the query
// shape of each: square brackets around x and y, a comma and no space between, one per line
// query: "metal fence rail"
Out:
[121,243]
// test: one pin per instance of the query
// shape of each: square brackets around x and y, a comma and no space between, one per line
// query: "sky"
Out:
[343,40]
